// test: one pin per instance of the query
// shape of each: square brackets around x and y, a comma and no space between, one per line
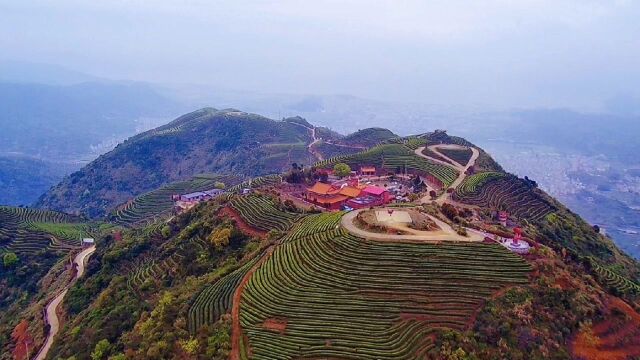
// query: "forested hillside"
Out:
[205,141]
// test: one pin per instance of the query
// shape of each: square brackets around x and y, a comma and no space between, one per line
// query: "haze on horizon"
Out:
[577,54]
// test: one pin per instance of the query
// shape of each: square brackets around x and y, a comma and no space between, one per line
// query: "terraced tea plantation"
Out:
[314,224]
[329,295]
[157,204]
[331,150]
[169,261]
[473,183]
[414,143]
[283,153]
[216,299]
[30,231]
[261,212]
[394,157]
[621,284]
[504,193]
[432,154]
[267,180]
[462,157]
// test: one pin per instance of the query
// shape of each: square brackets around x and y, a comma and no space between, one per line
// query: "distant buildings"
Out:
[187,201]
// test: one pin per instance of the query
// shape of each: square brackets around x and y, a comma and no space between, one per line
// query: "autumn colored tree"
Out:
[219,238]
[190,347]
[23,341]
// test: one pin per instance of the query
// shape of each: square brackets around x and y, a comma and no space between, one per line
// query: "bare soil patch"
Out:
[369,220]
[242,225]
[277,325]
[616,337]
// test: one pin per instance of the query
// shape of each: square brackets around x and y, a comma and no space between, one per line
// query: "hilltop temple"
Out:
[337,196]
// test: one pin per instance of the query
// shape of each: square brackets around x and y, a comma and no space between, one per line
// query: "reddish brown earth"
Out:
[22,338]
[615,338]
[236,328]
[563,283]
[242,225]
[277,325]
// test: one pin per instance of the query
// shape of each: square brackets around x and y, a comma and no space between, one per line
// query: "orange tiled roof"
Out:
[326,189]
[321,189]
[367,169]
[331,200]
[350,191]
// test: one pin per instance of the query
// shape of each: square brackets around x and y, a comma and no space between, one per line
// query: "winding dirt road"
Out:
[316,140]
[52,307]
[462,169]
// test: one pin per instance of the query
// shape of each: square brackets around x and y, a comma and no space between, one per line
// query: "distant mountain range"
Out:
[64,121]
[53,120]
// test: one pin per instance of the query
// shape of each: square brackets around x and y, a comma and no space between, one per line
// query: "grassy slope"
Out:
[368,137]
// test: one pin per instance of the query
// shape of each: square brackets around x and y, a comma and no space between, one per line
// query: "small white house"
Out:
[87,242]
[213,193]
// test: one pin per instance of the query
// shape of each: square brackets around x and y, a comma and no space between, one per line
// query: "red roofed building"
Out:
[370,196]
[331,197]
[350,191]
[378,192]
[333,202]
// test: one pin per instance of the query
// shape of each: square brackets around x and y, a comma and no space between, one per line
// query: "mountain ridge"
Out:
[207,140]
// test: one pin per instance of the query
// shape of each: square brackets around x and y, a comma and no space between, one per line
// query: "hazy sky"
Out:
[506,53]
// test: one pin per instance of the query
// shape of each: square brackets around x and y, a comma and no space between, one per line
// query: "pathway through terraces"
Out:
[462,169]
[313,151]
[314,141]
[52,307]
[236,327]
